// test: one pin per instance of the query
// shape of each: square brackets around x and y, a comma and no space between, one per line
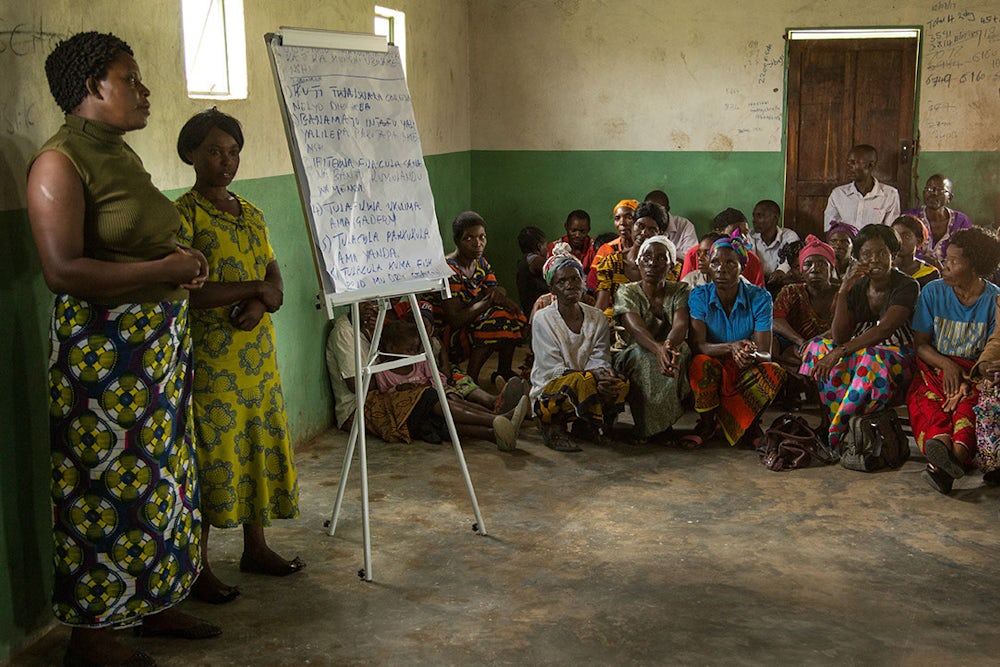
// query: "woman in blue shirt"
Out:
[731,375]
[954,318]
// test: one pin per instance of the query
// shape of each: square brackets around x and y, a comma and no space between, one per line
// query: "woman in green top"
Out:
[125,497]
[654,314]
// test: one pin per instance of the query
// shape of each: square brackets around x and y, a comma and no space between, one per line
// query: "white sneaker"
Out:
[505,434]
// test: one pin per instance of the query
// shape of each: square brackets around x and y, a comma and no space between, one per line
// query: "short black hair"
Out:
[771,204]
[884,233]
[199,125]
[712,236]
[83,56]
[867,148]
[529,238]
[606,237]
[649,209]
[914,224]
[656,196]
[730,216]
[395,332]
[980,247]
[579,214]
[790,252]
[463,221]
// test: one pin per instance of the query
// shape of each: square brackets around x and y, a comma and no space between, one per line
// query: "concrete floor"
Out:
[621,555]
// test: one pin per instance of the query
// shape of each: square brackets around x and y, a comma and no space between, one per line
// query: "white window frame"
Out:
[212,28]
[391,24]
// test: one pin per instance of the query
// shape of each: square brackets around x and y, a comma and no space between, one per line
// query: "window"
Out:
[215,53]
[392,25]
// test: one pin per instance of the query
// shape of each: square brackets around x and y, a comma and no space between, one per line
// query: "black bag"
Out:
[875,441]
[790,444]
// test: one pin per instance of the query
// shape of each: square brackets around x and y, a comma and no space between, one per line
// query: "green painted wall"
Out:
[25,516]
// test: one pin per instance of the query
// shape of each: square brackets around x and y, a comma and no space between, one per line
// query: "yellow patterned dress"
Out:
[245,464]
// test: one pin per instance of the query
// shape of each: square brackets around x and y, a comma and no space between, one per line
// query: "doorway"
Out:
[856,88]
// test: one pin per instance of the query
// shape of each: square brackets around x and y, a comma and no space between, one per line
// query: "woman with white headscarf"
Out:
[654,315]
[571,378]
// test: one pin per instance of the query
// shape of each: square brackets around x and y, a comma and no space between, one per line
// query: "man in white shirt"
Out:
[864,201]
[679,230]
[768,238]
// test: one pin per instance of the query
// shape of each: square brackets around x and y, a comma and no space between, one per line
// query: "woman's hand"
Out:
[248,314]
[990,372]
[185,267]
[666,356]
[744,352]
[853,275]
[951,401]
[270,296]
[821,369]
[951,378]
[607,388]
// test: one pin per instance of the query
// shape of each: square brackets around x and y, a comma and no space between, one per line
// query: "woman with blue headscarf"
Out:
[571,378]
[732,375]
[654,315]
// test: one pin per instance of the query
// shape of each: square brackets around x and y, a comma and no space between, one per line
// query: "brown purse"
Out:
[790,444]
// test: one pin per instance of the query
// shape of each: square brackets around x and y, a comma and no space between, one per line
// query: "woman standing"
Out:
[572,379]
[480,317]
[654,315]
[732,376]
[127,526]
[245,462]
[954,318]
[868,360]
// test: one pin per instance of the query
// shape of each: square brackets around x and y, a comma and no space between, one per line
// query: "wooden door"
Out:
[842,93]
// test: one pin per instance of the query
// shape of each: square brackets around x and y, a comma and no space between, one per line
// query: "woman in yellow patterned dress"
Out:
[245,463]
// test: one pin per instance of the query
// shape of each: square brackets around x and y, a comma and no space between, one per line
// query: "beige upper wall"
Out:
[437,71]
[670,75]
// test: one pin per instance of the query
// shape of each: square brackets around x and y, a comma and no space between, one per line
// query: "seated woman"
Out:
[530,282]
[400,337]
[624,215]
[867,362]
[954,318]
[941,222]
[621,267]
[572,377]
[803,311]
[987,373]
[913,236]
[654,314]
[479,315]
[841,237]
[732,375]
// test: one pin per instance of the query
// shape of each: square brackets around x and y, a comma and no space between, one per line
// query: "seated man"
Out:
[578,237]
[725,223]
[679,230]
[767,238]
[864,201]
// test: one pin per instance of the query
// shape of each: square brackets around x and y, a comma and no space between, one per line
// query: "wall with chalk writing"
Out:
[647,75]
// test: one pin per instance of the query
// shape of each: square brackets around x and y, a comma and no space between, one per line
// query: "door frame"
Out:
[856,32]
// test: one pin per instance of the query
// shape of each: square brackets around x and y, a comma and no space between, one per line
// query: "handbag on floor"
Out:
[875,441]
[790,444]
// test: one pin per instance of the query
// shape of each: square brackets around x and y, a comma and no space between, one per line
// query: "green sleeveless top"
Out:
[126,219]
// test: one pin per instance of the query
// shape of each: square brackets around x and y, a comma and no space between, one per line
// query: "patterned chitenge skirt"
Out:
[124,491]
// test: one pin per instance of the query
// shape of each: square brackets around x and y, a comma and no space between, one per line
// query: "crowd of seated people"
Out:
[888,311]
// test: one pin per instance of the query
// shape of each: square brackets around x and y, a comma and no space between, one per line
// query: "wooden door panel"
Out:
[842,93]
